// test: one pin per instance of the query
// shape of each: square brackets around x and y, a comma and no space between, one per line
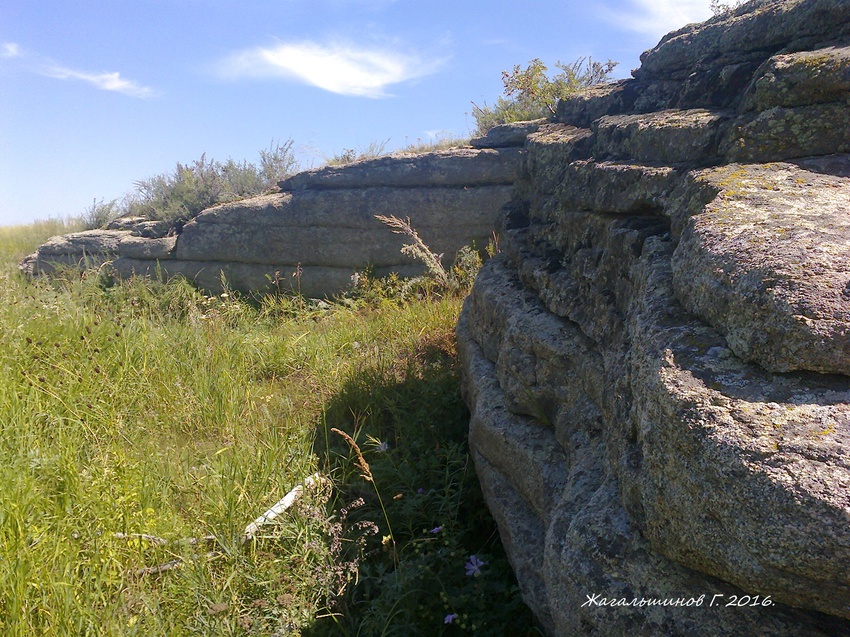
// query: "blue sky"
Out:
[96,95]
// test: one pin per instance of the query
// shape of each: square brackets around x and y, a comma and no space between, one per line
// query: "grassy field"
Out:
[145,425]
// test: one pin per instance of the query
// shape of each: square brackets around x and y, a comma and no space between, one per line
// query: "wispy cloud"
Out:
[10,50]
[105,81]
[658,17]
[340,68]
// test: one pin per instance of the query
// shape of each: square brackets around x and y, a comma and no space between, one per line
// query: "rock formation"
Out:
[657,364]
[321,225]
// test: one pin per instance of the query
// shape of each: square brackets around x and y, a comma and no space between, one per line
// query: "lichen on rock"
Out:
[658,365]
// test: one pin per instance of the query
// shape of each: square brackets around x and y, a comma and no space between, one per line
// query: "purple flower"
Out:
[450,618]
[436,529]
[473,566]
[420,490]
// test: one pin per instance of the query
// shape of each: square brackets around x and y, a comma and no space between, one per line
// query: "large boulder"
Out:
[319,230]
[658,364]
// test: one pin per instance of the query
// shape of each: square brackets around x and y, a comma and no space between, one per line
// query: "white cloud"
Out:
[105,81]
[658,17]
[10,50]
[339,68]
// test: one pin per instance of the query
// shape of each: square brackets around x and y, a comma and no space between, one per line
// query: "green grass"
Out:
[147,408]
[18,241]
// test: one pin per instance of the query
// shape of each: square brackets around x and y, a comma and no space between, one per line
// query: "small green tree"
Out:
[530,93]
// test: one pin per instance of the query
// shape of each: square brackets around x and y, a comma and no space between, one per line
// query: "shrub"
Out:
[99,214]
[719,8]
[194,187]
[191,188]
[531,94]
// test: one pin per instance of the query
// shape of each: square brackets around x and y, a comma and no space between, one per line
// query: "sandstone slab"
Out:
[456,167]
[507,135]
[338,228]
[800,79]
[767,263]
[782,133]
[671,137]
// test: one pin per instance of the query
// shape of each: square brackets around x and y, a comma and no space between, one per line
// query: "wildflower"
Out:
[436,529]
[383,446]
[420,490]
[450,618]
[473,566]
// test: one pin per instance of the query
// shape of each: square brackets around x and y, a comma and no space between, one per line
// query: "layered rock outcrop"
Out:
[321,225]
[658,364]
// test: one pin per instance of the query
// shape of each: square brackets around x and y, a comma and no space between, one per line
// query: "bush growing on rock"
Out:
[191,188]
[530,93]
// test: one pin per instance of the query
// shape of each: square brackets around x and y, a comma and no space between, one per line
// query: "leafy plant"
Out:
[530,93]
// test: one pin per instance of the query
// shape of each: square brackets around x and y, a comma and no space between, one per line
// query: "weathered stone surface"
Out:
[456,167]
[585,107]
[152,229]
[674,337]
[767,263]
[138,247]
[800,79]
[81,243]
[125,223]
[744,475]
[586,543]
[337,228]
[507,135]
[754,28]
[603,186]
[787,133]
[667,136]
[326,225]
[90,248]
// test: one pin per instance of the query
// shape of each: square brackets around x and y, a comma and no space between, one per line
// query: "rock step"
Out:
[93,247]
[507,135]
[337,228]
[579,183]
[589,543]
[766,263]
[800,79]
[457,167]
[666,137]
[743,475]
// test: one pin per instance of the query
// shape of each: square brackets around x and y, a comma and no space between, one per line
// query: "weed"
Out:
[140,409]
[374,150]
[191,188]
